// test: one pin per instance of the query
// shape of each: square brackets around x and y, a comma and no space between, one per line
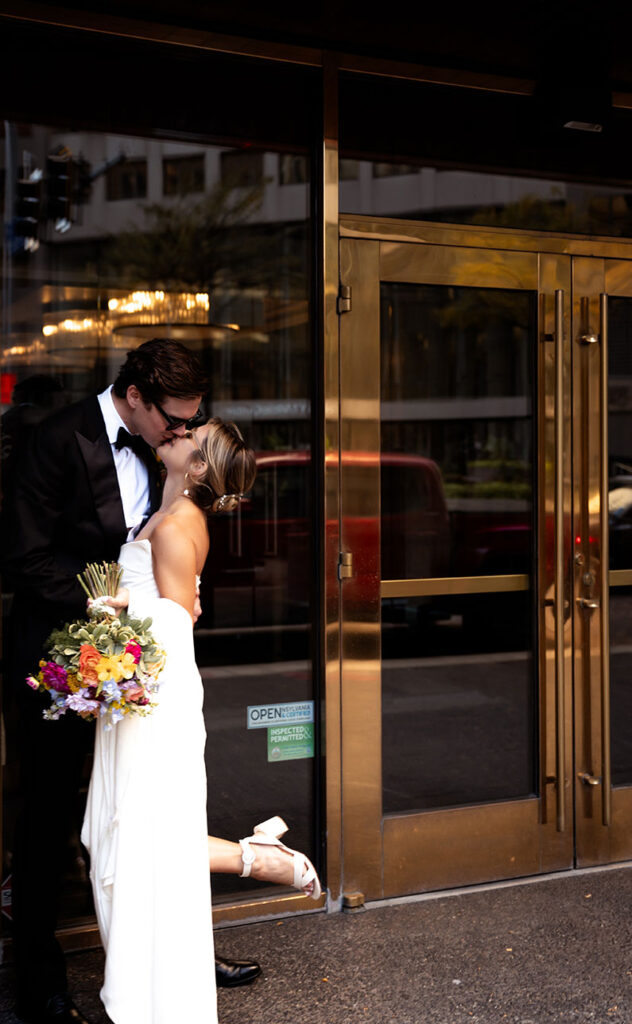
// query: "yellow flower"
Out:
[128,664]
[117,667]
[109,668]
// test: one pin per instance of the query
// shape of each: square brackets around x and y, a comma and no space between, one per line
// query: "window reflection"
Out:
[458,701]
[207,253]
[242,169]
[293,169]
[127,180]
[457,381]
[621,684]
[456,501]
[181,175]
[426,192]
[620,431]
[620,516]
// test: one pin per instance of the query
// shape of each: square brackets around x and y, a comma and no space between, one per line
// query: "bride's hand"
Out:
[117,603]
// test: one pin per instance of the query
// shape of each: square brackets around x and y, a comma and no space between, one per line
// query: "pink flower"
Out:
[54,677]
[135,650]
[33,682]
[134,693]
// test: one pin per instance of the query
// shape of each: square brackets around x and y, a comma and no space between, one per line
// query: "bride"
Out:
[145,822]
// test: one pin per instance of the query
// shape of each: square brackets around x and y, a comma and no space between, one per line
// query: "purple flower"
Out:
[53,713]
[54,677]
[78,702]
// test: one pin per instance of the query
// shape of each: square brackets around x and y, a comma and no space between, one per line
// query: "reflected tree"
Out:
[606,214]
[194,244]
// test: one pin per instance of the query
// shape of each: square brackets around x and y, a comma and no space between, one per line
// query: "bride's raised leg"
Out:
[264,857]
[224,857]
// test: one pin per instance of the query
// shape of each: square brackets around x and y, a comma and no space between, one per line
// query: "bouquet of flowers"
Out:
[104,666]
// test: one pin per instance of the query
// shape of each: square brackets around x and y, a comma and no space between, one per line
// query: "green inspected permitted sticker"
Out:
[290,742]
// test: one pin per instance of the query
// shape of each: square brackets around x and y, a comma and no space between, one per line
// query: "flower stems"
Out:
[101,580]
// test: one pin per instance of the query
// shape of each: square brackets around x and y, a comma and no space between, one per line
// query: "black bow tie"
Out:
[134,441]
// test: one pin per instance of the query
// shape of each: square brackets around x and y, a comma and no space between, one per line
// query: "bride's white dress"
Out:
[145,828]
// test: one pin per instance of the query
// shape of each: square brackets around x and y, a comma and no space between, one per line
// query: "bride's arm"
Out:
[174,558]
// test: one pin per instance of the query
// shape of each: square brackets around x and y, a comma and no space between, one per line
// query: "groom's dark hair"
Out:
[159,368]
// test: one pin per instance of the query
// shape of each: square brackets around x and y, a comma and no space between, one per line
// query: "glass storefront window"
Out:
[468,156]
[487,199]
[159,237]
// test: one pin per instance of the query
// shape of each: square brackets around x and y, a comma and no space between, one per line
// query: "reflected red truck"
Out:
[261,566]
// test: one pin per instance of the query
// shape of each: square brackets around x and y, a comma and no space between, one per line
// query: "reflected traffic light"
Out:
[28,210]
[59,188]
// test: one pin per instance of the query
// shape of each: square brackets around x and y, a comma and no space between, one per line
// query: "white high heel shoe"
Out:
[268,834]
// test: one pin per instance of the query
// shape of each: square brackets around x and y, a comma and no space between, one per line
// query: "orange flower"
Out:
[89,658]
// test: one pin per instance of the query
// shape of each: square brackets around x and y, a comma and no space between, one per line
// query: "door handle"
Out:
[588,779]
[606,799]
[560,750]
[587,603]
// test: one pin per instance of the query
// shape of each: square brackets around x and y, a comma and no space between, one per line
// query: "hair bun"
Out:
[226,503]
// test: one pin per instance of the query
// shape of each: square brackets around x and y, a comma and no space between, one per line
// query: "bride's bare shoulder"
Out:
[180,536]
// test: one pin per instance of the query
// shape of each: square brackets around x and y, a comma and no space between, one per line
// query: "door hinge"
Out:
[344,298]
[345,565]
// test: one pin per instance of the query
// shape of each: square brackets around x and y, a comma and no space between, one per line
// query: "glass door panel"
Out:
[620,533]
[457,440]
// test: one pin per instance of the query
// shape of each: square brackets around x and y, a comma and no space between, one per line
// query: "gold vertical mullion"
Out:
[330,599]
[554,560]
[592,838]
[360,594]
[560,723]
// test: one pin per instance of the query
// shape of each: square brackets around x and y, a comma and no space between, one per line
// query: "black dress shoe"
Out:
[229,973]
[59,1009]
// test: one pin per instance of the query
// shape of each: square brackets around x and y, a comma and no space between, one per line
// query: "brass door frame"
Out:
[378,852]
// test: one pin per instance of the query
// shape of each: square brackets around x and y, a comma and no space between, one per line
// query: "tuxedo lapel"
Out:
[97,456]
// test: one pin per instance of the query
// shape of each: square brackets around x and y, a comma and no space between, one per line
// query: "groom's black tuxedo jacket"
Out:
[67,511]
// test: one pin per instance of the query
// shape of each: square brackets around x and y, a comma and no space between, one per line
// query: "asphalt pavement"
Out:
[553,949]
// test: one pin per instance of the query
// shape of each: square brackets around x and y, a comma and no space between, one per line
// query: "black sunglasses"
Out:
[173,422]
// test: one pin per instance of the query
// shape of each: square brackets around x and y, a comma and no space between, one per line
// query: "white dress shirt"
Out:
[131,472]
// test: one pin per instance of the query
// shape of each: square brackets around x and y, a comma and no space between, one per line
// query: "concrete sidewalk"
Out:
[555,949]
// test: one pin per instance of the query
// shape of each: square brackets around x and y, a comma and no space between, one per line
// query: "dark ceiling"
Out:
[517,38]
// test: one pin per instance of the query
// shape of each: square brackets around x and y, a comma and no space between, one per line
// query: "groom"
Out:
[87,482]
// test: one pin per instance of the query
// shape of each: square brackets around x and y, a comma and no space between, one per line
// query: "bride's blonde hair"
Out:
[230,469]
